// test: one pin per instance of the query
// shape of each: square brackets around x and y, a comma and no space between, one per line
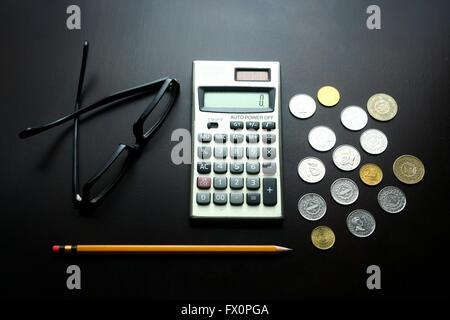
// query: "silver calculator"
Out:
[236,140]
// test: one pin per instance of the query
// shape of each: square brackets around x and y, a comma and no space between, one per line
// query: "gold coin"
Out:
[323,237]
[382,107]
[328,96]
[371,174]
[408,169]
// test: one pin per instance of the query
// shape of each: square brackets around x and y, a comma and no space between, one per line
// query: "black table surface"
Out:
[132,42]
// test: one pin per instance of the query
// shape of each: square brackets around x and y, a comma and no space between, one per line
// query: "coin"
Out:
[311,170]
[382,107]
[344,191]
[361,223]
[312,206]
[328,96]
[323,237]
[302,106]
[408,169]
[321,138]
[354,118]
[391,199]
[346,157]
[373,141]
[371,174]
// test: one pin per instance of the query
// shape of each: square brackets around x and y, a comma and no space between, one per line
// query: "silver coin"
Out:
[373,141]
[354,118]
[311,170]
[312,206]
[302,106]
[346,157]
[321,138]
[391,199]
[344,191]
[361,223]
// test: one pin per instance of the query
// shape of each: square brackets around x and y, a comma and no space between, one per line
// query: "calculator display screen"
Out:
[236,99]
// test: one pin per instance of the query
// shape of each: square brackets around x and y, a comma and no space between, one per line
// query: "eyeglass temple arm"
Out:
[128,93]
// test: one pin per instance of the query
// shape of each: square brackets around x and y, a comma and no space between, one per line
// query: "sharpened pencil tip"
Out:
[284,249]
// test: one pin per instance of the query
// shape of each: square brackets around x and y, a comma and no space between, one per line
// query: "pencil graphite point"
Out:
[284,249]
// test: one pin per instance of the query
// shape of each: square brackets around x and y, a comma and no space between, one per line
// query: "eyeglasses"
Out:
[97,187]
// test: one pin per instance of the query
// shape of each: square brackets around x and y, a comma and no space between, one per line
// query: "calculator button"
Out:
[269,153]
[236,199]
[220,183]
[203,182]
[204,167]
[220,138]
[268,138]
[236,183]
[220,198]
[252,138]
[212,125]
[253,168]
[220,152]
[252,152]
[204,152]
[269,168]
[269,191]
[235,125]
[236,137]
[252,125]
[203,198]
[237,167]
[220,167]
[253,183]
[253,199]
[269,125]
[204,137]
[236,152]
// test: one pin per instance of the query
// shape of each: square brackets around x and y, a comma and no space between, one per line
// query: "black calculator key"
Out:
[212,125]
[253,199]
[269,191]
[252,125]
[203,198]
[220,138]
[220,167]
[204,137]
[236,137]
[220,198]
[237,167]
[269,153]
[220,183]
[236,199]
[268,138]
[268,125]
[236,183]
[269,168]
[252,183]
[252,167]
[204,167]
[235,125]
[252,138]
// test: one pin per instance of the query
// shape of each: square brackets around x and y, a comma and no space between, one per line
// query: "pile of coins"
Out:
[407,169]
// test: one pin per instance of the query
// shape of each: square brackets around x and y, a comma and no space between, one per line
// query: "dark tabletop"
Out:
[132,42]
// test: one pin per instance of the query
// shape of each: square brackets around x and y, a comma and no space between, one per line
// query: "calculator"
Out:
[236,140]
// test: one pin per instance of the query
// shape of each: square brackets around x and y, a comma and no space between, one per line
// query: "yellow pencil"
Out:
[180,249]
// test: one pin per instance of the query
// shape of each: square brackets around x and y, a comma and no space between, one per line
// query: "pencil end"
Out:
[283,249]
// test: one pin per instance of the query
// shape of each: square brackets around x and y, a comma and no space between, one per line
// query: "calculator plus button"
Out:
[203,182]
[220,167]
[236,167]
[269,191]
[268,138]
[236,183]
[269,153]
[252,138]
[220,183]
[204,167]
[269,125]
[252,125]
[203,198]
[253,168]
[236,152]
[236,199]
[204,152]
[253,199]
[204,137]
[252,152]
[220,138]
[236,137]
[220,152]
[269,168]
[235,125]
[253,183]
[220,198]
